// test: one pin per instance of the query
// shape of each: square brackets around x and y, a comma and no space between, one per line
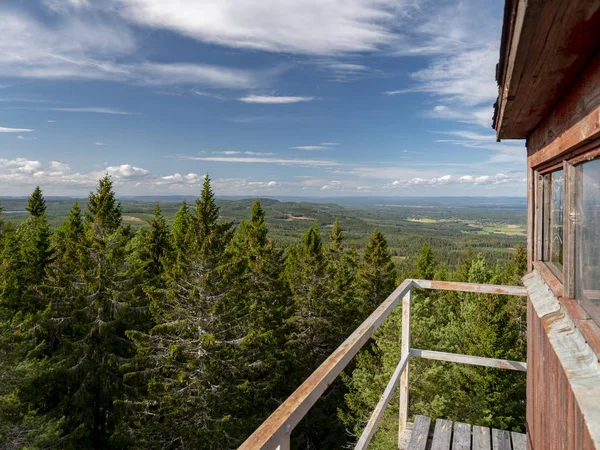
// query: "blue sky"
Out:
[270,97]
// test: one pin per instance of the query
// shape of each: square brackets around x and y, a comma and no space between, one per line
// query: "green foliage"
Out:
[475,324]
[104,211]
[189,336]
[36,205]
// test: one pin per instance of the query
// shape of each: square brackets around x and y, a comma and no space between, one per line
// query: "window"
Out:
[586,217]
[552,216]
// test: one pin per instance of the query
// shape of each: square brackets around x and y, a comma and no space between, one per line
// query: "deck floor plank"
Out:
[500,439]
[442,435]
[481,438]
[462,436]
[519,441]
[420,433]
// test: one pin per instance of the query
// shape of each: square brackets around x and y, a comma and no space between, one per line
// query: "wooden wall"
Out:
[554,419]
[557,412]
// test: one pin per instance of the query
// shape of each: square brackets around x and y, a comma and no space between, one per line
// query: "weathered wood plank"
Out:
[519,441]
[569,231]
[467,359]
[549,44]
[500,439]
[420,433]
[471,287]
[481,438]
[377,414]
[462,436]
[442,435]
[281,423]
[405,352]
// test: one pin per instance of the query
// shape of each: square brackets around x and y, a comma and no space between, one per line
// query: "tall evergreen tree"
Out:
[376,274]
[88,313]
[184,365]
[36,204]
[104,210]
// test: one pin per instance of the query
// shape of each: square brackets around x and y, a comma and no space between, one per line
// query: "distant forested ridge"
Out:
[188,333]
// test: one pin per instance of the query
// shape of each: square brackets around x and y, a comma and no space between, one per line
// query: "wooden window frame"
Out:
[564,282]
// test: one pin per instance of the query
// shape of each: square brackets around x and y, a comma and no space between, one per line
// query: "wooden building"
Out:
[549,94]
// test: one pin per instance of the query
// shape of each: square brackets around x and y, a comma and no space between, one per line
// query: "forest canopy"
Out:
[189,334]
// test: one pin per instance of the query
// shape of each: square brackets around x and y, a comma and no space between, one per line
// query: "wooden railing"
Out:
[275,432]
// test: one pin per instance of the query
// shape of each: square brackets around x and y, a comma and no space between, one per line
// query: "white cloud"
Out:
[93,110]
[126,172]
[20,165]
[97,46]
[100,143]
[310,147]
[235,152]
[50,121]
[178,179]
[208,94]
[313,27]
[179,73]
[14,130]
[57,166]
[461,73]
[253,160]
[515,179]
[328,144]
[274,99]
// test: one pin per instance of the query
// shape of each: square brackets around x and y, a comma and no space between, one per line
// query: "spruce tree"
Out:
[104,210]
[313,333]
[185,365]
[89,309]
[341,271]
[376,274]
[36,204]
[255,309]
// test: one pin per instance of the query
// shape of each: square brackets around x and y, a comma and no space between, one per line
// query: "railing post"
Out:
[405,350]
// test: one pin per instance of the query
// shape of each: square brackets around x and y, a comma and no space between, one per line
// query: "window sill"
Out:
[589,329]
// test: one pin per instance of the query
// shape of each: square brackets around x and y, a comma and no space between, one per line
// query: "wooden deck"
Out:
[445,435]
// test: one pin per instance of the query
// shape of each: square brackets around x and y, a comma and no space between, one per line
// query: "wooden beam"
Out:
[569,231]
[472,360]
[519,441]
[280,424]
[500,439]
[550,43]
[462,436]
[481,438]
[405,353]
[471,287]
[442,435]
[371,428]
[420,433]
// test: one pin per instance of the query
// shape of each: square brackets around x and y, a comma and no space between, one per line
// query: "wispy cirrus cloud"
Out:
[90,43]
[274,99]
[310,147]
[261,160]
[85,110]
[15,130]
[336,26]
[321,146]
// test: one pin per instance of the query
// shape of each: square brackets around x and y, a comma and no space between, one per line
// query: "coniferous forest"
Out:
[187,335]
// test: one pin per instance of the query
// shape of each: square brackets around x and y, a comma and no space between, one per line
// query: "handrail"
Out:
[274,433]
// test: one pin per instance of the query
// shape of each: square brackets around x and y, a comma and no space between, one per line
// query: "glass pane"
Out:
[553,218]
[587,233]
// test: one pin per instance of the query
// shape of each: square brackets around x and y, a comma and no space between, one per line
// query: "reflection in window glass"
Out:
[587,234]
[553,219]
